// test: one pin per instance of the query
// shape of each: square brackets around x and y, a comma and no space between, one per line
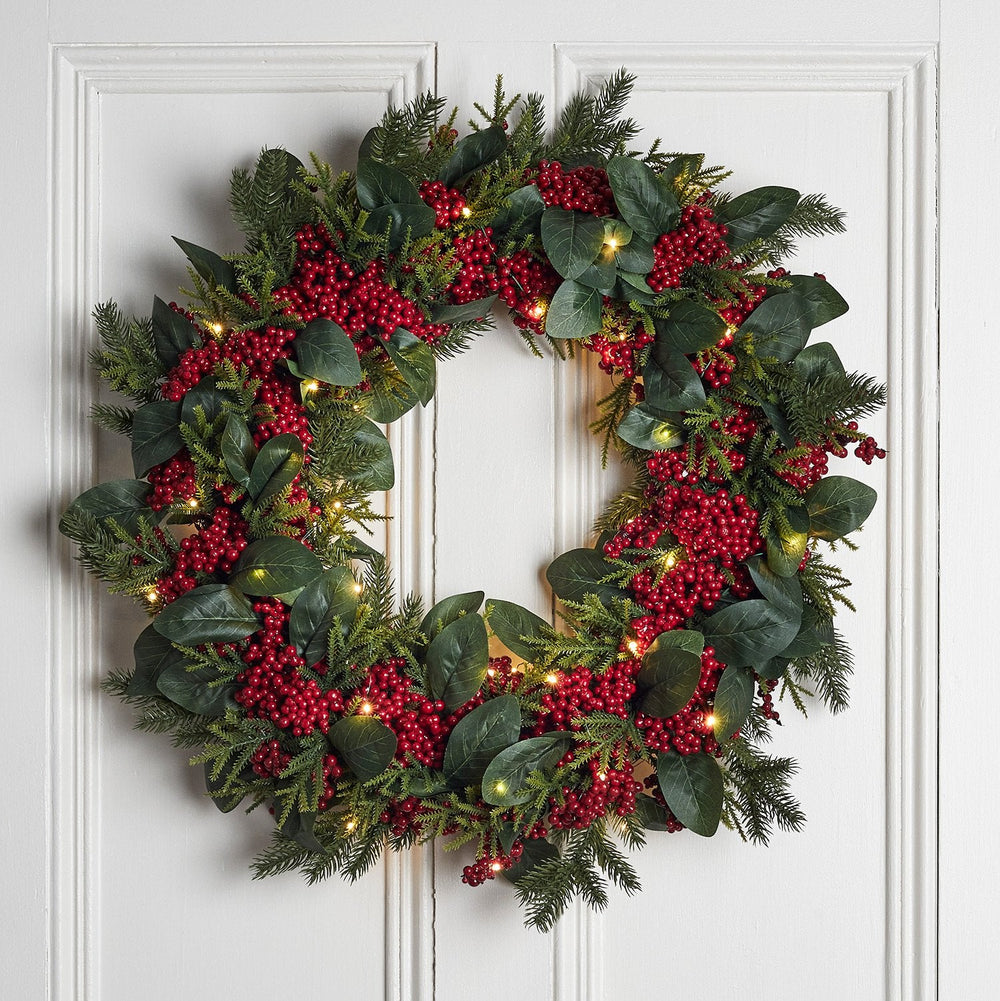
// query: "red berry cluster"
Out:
[530,283]
[618,347]
[583,692]
[582,189]
[172,480]
[487,866]
[609,790]
[403,816]
[868,450]
[272,687]
[687,732]
[696,240]
[214,548]
[447,203]
[481,273]
[269,760]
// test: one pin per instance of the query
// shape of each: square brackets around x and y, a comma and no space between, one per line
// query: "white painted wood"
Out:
[143,116]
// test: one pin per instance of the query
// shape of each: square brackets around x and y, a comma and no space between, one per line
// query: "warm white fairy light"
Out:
[357,589]
[552,679]
[490,672]
[496,867]
[633,646]
[311,386]
[611,244]
[193,503]
[365,708]
[217,328]
[710,721]
[350,825]
[466,212]
[338,505]
[152,596]
[538,310]
[602,776]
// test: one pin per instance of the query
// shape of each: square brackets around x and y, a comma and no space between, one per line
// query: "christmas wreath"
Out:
[277,649]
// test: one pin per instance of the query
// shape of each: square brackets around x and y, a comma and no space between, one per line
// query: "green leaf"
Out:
[207,396]
[572,240]
[299,827]
[505,778]
[415,362]
[756,214]
[192,690]
[777,419]
[785,551]
[449,610]
[750,632]
[690,328]
[780,325]
[398,220]
[379,185]
[574,312]
[326,352]
[210,266]
[825,301]
[520,215]
[772,669]
[156,435]
[574,575]
[672,666]
[536,852]
[457,659]
[389,403]
[616,233]
[277,464]
[478,309]
[692,786]
[478,738]
[816,361]
[634,288]
[365,744]
[513,625]
[636,257]
[123,501]
[329,597]
[733,699]
[153,655]
[212,613]
[275,564]
[651,813]
[785,592]
[838,505]
[473,152]
[381,472]
[643,201]
[641,428]
[600,275]
[671,383]
[173,333]
[238,450]
[814,634]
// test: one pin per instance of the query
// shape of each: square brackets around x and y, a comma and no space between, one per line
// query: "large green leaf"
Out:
[814,633]
[536,852]
[124,501]
[396,221]
[733,699]
[636,257]
[380,473]
[366,744]
[671,383]
[326,352]
[389,403]
[156,435]
[825,301]
[838,505]
[692,786]
[574,575]
[600,275]
[815,361]
[212,268]
[278,463]
[690,327]
[274,565]
[457,659]
[153,655]
[208,397]
[173,333]
[449,609]
[521,214]
[750,632]
[505,778]
[212,613]
[672,667]
[299,827]
[651,813]
[379,184]
[330,597]
[642,428]
[780,325]
[225,802]
[644,201]
[756,214]
[238,450]
[574,312]
[478,738]
[785,592]
[194,691]
[465,311]
[572,240]
[415,362]
[514,625]
[785,549]
[473,152]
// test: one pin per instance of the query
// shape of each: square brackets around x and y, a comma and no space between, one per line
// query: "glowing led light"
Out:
[670,561]
[365,708]
[552,679]
[152,596]
[337,505]
[217,328]
[500,787]
[538,310]
[351,825]
[193,502]
[633,646]
[602,776]
[466,212]
[611,244]
[491,672]
[357,589]
[710,721]
[496,867]
[311,386]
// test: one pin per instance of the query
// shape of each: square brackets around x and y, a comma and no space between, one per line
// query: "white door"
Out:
[122,123]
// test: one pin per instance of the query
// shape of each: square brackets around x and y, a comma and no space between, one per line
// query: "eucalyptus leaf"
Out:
[379,184]
[457,659]
[536,852]
[212,268]
[636,257]
[380,473]
[651,813]
[733,700]
[670,382]
[780,325]
[326,352]
[449,609]
[193,690]
[396,221]
[574,312]
[756,214]
[275,564]
[122,501]
[600,275]
[672,667]
[156,435]
[331,597]
[464,312]
[647,204]
[816,361]
[572,240]
[786,549]
[478,738]
[785,592]
[389,403]
[299,827]
[641,428]
[814,634]
[505,777]
[153,655]
[825,301]
[574,575]
[238,450]
[690,327]
[750,632]
[415,362]
[473,152]
[277,464]
[692,786]
[173,333]
[211,613]
[515,625]
[208,397]
[838,505]
[366,744]
[521,215]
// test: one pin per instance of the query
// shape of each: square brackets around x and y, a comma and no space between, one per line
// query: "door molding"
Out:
[80,75]
[907,76]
